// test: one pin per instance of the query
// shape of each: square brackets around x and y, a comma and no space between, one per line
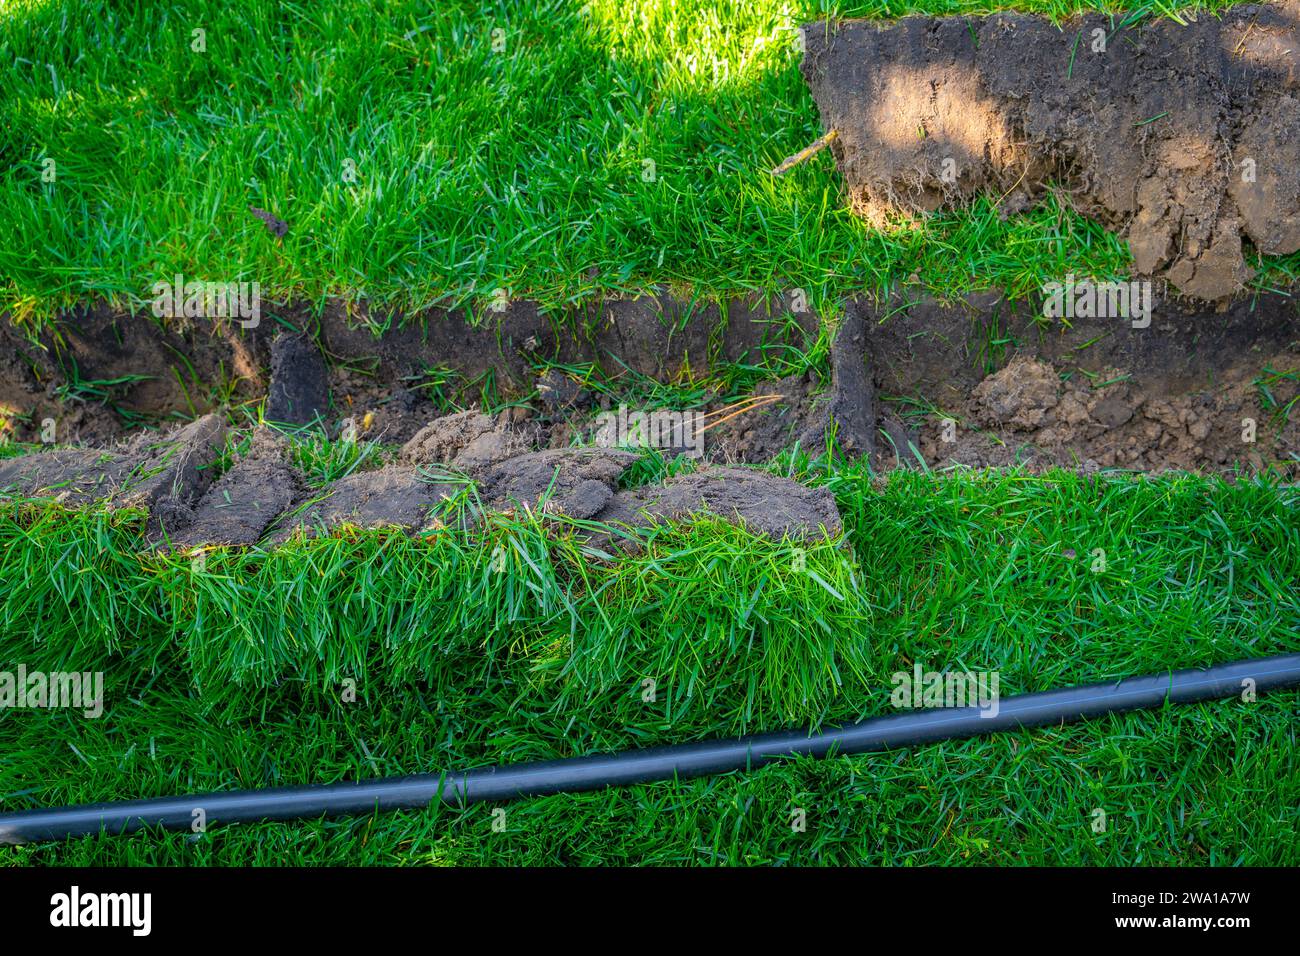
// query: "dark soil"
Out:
[299,392]
[171,474]
[984,382]
[73,475]
[467,442]
[105,372]
[164,475]
[845,411]
[574,482]
[767,504]
[394,496]
[390,374]
[849,417]
[1184,137]
[242,503]
[1172,396]
[762,434]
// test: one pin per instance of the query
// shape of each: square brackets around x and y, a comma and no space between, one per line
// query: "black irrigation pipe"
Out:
[642,766]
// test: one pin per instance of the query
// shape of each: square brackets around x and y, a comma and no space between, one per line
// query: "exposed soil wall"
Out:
[157,370]
[1189,392]
[983,382]
[1183,137]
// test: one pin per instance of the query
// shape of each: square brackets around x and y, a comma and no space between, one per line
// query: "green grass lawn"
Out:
[518,159]
[433,152]
[231,676]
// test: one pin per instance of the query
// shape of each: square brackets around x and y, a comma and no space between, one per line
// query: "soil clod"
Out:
[767,504]
[850,413]
[73,475]
[171,474]
[393,496]
[299,392]
[575,482]
[241,504]
[1183,136]
[467,442]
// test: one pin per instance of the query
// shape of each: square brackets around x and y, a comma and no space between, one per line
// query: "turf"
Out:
[426,153]
[460,665]
[517,160]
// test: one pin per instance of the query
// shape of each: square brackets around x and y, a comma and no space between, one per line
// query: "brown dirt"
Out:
[574,482]
[764,433]
[985,382]
[1100,395]
[73,475]
[1153,136]
[1088,393]
[162,474]
[378,365]
[467,442]
[767,504]
[242,506]
[242,503]
[299,390]
[170,475]
[183,369]
[395,496]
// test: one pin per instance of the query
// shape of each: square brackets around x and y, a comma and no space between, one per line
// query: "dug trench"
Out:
[1181,135]
[907,382]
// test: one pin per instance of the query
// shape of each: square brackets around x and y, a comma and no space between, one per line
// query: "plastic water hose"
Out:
[642,766]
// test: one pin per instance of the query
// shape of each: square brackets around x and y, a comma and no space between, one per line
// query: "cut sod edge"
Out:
[644,766]
[930,112]
[983,382]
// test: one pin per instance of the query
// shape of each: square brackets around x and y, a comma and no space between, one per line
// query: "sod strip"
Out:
[1052,582]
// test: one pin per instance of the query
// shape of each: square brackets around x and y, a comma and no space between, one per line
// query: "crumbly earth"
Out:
[468,442]
[986,383]
[575,482]
[1184,137]
[981,382]
[261,498]
[773,506]
[241,504]
[394,495]
[163,475]
[390,374]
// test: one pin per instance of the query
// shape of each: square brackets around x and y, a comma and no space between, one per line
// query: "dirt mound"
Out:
[1185,137]
[1019,396]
